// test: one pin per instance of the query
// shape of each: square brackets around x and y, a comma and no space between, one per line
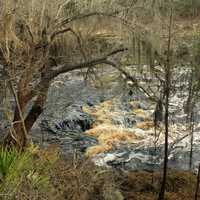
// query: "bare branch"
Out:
[82,16]
[52,37]
[131,78]
[56,33]
[67,68]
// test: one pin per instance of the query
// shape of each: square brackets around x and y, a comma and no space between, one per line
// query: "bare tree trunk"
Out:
[167,92]
[191,139]
[197,186]
[18,135]
[167,95]
[190,115]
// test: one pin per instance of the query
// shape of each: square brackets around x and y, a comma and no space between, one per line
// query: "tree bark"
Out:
[197,186]
[162,190]
[167,95]
[17,135]
[191,139]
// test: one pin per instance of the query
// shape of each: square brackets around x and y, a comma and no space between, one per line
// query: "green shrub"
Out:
[7,161]
[28,170]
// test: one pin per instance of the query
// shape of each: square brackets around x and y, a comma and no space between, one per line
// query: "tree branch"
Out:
[52,37]
[67,68]
[101,60]
[82,16]
[131,79]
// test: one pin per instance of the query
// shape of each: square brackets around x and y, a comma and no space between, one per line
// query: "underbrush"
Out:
[145,186]
[26,175]
[44,174]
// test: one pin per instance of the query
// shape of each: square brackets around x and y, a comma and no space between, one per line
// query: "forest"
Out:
[99,99]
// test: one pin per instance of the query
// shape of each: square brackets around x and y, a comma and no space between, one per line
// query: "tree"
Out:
[41,40]
[197,185]
[167,96]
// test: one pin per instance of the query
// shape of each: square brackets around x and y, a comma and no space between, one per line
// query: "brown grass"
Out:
[92,151]
[81,180]
[108,134]
[77,179]
[102,112]
[115,135]
[146,125]
[141,113]
[108,137]
[145,186]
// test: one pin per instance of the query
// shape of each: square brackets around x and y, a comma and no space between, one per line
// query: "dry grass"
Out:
[146,125]
[77,179]
[112,136]
[102,112]
[142,114]
[109,136]
[101,131]
[92,151]
[145,186]
[81,180]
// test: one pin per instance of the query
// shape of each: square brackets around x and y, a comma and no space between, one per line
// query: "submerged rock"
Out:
[72,119]
[65,128]
[127,120]
[70,143]
[130,158]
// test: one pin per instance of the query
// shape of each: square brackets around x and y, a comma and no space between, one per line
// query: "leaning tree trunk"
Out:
[18,135]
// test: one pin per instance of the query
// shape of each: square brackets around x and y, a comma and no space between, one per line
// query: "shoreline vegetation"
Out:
[153,48]
[44,174]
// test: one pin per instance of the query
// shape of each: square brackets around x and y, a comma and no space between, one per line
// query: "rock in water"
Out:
[67,126]
[72,119]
